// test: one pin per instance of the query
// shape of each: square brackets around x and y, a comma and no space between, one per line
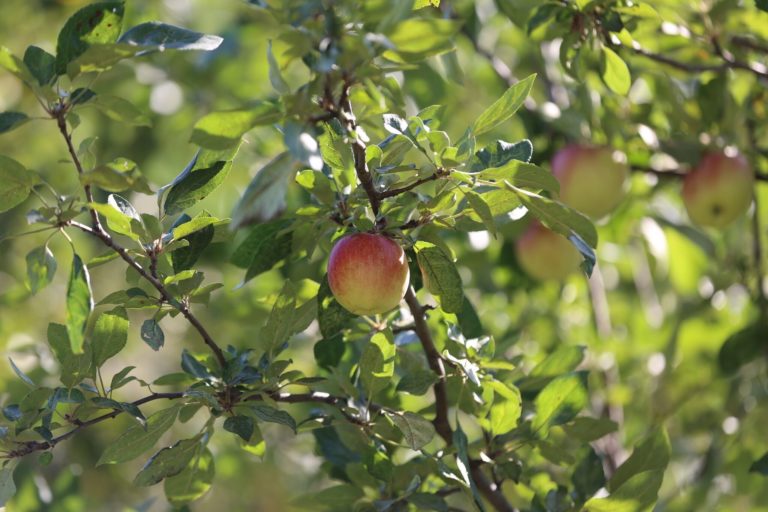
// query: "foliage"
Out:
[638,384]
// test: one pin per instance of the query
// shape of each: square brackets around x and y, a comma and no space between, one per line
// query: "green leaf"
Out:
[560,401]
[588,475]
[16,183]
[137,439]
[417,431]
[505,107]
[638,494]
[501,153]
[742,347]
[198,233]
[331,316]
[240,425]
[417,382]
[157,36]
[462,461]
[264,199]
[15,65]
[152,334]
[101,57]
[760,466]
[121,110]
[615,72]
[193,482]
[420,4]
[7,486]
[116,176]
[223,130]
[377,364]
[440,276]
[563,360]
[521,174]
[505,413]
[556,216]
[120,215]
[20,374]
[329,351]
[203,175]
[93,24]
[271,415]
[168,462]
[275,76]
[280,322]
[482,209]
[193,367]
[263,248]
[79,304]
[41,267]
[469,321]
[650,455]
[336,151]
[418,38]
[12,120]
[74,367]
[588,429]
[332,499]
[110,334]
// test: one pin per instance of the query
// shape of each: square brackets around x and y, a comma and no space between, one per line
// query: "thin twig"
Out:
[392,192]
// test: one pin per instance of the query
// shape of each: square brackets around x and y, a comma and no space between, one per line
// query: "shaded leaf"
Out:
[157,36]
[79,304]
[41,267]
[152,334]
[264,198]
[136,440]
[377,364]
[416,430]
[12,120]
[440,276]
[74,367]
[16,183]
[264,246]
[193,482]
[167,462]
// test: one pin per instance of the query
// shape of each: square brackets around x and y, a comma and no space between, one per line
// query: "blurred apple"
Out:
[718,190]
[592,179]
[545,255]
[367,273]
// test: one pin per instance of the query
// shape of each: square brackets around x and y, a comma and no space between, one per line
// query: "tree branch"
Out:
[435,361]
[183,308]
[35,446]
[392,192]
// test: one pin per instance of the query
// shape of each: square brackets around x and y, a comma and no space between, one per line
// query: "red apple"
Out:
[718,190]
[368,274]
[544,255]
[592,179]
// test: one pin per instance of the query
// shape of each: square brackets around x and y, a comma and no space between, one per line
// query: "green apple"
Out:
[368,273]
[592,179]
[718,190]
[545,255]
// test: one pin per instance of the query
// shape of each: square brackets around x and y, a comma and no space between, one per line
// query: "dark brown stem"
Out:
[358,151]
[435,361]
[749,43]
[682,66]
[61,122]
[488,489]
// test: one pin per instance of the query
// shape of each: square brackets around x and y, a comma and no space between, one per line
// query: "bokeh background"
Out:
[664,299]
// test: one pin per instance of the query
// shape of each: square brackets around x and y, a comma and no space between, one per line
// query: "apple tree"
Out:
[384,256]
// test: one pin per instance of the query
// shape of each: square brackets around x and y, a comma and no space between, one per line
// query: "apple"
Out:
[592,179]
[368,273]
[718,190]
[546,255]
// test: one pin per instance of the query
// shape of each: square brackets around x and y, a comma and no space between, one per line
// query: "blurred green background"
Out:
[653,319]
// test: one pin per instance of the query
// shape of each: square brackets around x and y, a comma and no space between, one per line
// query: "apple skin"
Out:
[592,179]
[368,274]
[718,190]
[545,255]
